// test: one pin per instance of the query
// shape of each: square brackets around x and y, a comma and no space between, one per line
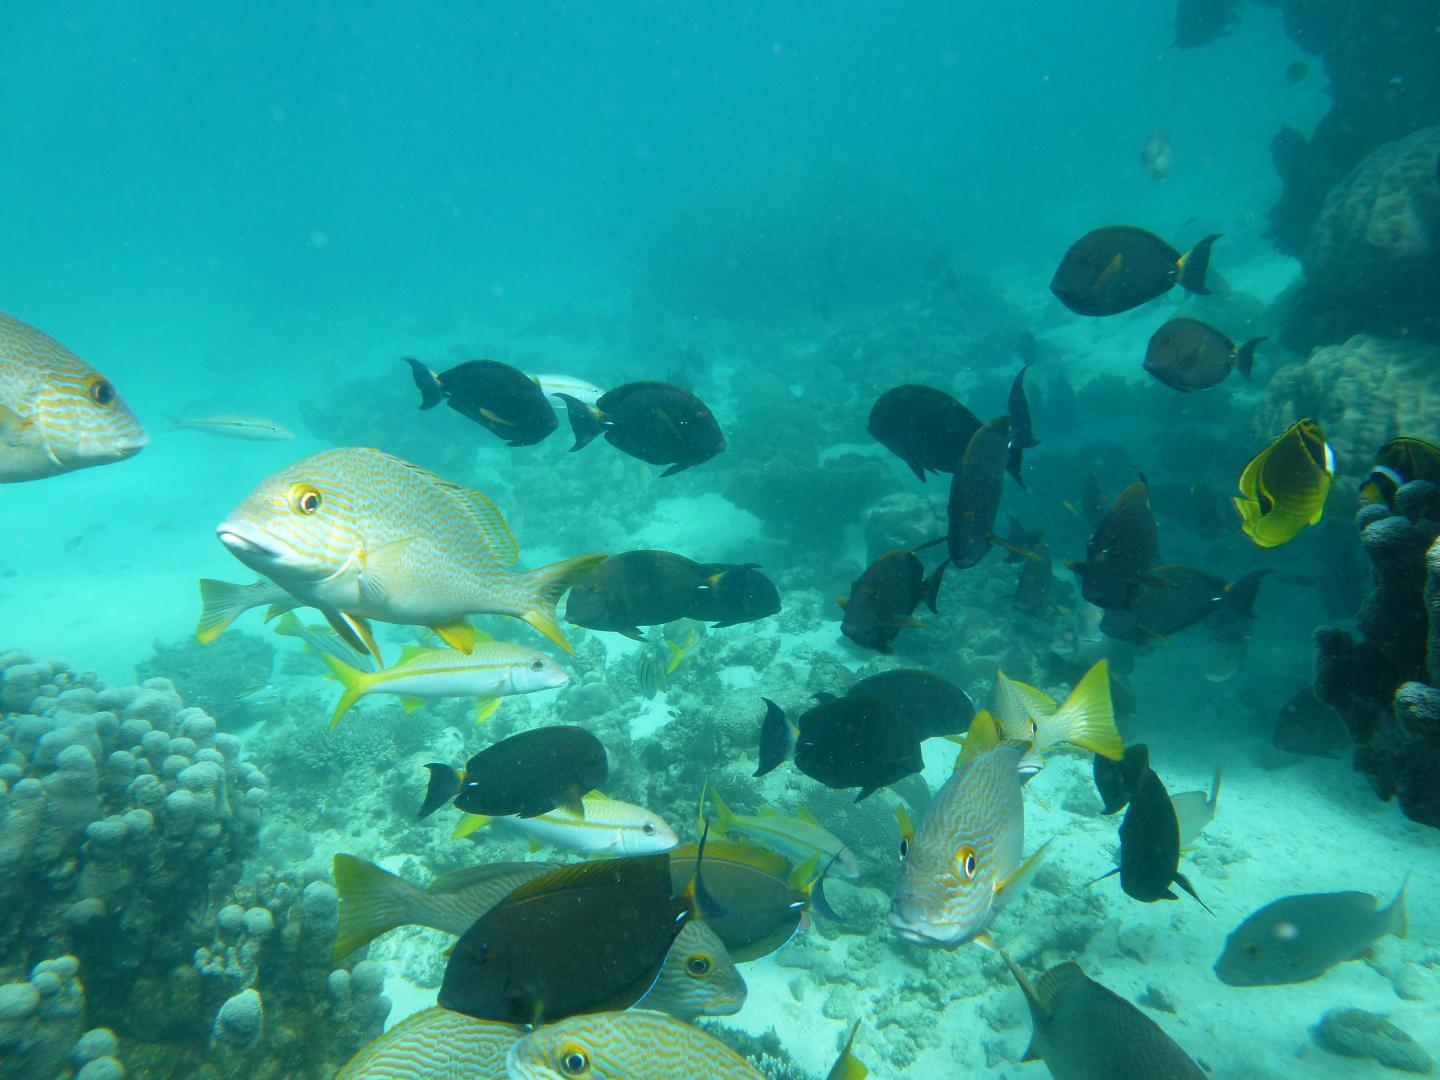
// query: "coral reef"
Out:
[216,677]
[1384,684]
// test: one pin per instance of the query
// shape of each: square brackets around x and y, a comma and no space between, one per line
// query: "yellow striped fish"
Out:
[57,413]
[698,977]
[965,860]
[1086,719]
[435,1044]
[363,535]
[609,827]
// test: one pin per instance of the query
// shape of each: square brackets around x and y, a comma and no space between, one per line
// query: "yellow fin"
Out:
[844,602]
[372,901]
[847,1066]
[485,708]
[1087,719]
[1010,886]
[906,825]
[804,814]
[805,873]
[460,636]
[410,703]
[494,418]
[548,584]
[410,652]
[468,824]
[354,681]
[984,734]
[723,818]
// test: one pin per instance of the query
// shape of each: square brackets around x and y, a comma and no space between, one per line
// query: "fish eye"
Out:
[1251,949]
[1034,727]
[305,499]
[904,847]
[965,862]
[537,665]
[648,828]
[698,965]
[573,1060]
[101,390]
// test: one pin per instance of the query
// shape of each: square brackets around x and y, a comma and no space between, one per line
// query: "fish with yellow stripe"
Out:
[1085,720]
[57,413]
[436,1044]
[966,860]
[607,827]
[1285,486]
[362,535]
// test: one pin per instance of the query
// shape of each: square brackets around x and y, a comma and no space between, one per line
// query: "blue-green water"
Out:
[790,210]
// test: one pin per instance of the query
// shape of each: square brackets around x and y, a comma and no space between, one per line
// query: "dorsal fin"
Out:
[984,735]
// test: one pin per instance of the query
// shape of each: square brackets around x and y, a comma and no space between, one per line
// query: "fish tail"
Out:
[220,603]
[427,382]
[584,421]
[444,785]
[1088,715]
[1190,270]
[469,823]
[723,817]
[372,901]
[847,1066]
[777,738]
[548,584]
[354,681]
[1395,913]
[1245,356]
[1215,789]
[931,587]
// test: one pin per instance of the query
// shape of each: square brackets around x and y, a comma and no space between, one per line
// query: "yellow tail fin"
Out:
[372,902]
[220,603]
[354,681]
[1088,715]
[723,817]
[468,824]
[549,584]
[847,1066]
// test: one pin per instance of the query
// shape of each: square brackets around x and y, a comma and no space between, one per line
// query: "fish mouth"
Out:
[923,933]
[244,542]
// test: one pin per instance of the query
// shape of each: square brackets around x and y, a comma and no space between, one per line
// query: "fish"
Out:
[638,588]
[650,675]
[248,428]
[698,977]
[1199,22]
[1036,576]
[1194,810]
[1021,541]
[924,427]
[583,938]
[1177,598]
[526,775]
[659,423]
[883,598]
[1150,845]
[363,535]
[1397,463]
[933,706]
[1117,781]
[435,1044]
[222,602]
[1120,552]
[1306,725]
[1187,354]
[1156,157]
[551,385]
[1022,437]
[1196,505]
[503,400]
[734,595]
[975,495]
[1086,719]
[1119,267]
[966,860]
[1296,70]
[321,640]
[797,838]
[1085,1031]
[1299,938]
[843,743]
[490,671]
[57,413]
[607,827]
[1284,487]
[765,898]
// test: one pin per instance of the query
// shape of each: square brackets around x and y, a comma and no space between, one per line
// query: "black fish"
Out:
[1021,540]
[759,910]
[638,588]
[1175,598]
[882,598]
[924,427]
[1121,552]
[1187,354]
[1199,22]
[735,594]
[842,742]
[1197,506]
[657,422]
[975,491]
[1022,438]
[496,396]
[1116,781]
[1306,725]
[1397,463]
[526,775]
[932,706]
[1150,845]
[1120,267]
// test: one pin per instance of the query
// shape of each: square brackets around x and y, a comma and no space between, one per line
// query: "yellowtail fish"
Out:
[1194,810]
[609,827]
[489,671]
[654,668]
[1284,487]
[57,413]
[222,602]
[435,1044]
[579,389]
[966,859]
[1085,720]
[363,535]
[797,838]
[322,641]
[637,1043]
[249,428]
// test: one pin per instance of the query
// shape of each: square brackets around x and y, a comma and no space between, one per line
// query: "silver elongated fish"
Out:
[57,413]
[965,860]
[363,535]
[609,827]
[435,1044]
[579,389]
[249,428]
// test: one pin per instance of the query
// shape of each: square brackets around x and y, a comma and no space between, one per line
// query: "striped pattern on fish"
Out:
[435,1044]
[609,827]
[57,413]
[625,1044]
[698,977]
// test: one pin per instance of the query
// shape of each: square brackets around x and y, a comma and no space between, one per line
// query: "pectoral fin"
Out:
[460,635]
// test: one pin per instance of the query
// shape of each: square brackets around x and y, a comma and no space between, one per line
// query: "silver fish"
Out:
[249,428]
[435,1044]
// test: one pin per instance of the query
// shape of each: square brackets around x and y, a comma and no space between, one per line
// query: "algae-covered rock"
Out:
[1360,1034]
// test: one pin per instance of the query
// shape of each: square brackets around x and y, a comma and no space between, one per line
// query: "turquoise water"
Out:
[788,209]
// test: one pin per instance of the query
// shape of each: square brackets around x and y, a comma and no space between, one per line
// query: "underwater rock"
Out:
[41,1020]
[1359,1034]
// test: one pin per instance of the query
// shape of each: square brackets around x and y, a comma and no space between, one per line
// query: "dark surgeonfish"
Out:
[1197,506]
[932,706]
[1085,1031]
[1187,354]
[924,427]
[1397,463]
[526,775]
[761,898]
[734,595]
[1022,437]
[975,493]
[1306,725]
[1199,22]
[842,742]
[1117,781]
[1299,938]
[496,396]
[1178,597]
[638,588]
[1119,267]
[1284,487]
[1121,551]
[882,599]
[1150,845]
[657,422]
